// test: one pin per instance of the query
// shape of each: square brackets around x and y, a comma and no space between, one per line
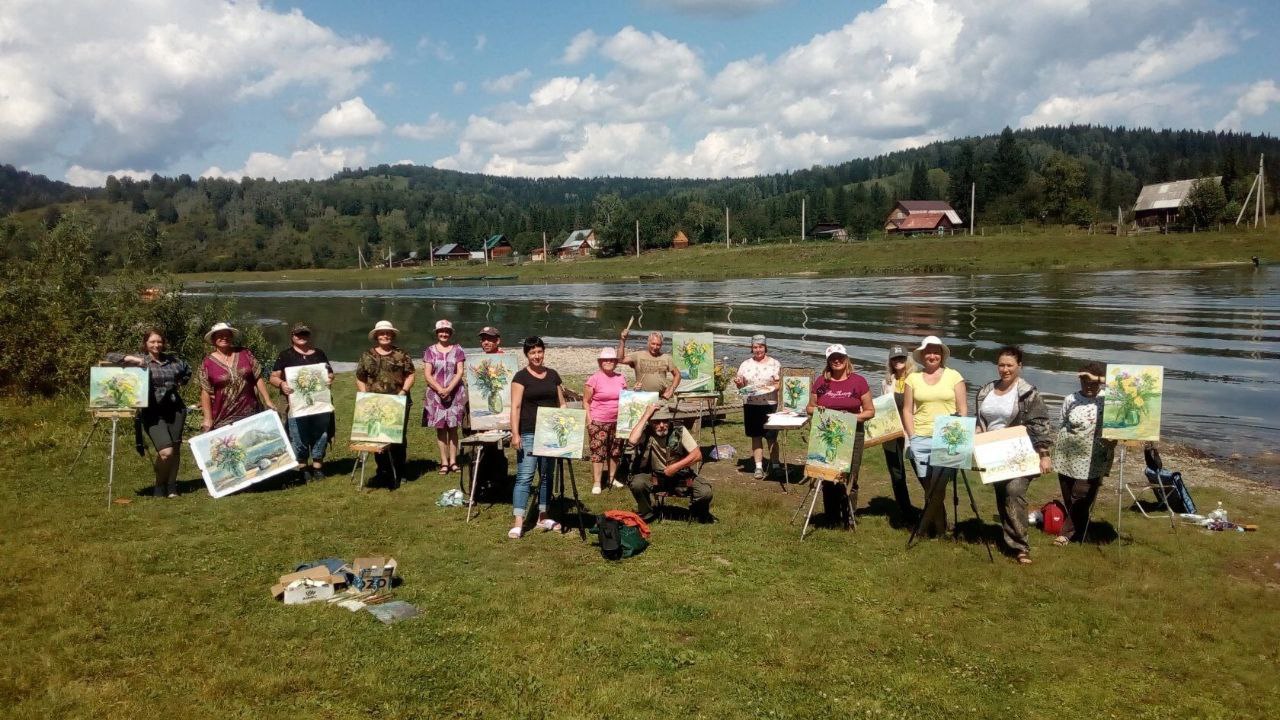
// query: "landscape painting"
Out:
[310,385]
[559,432]
[953,442]
[378,418]
[831,444]
[489,390]
[118,388]
[245,452]
[886,425]
[1132,403]
[1005,454]
[694,356]
[631,406]
[795,394]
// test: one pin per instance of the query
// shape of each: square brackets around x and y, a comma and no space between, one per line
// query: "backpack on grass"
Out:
[618,540]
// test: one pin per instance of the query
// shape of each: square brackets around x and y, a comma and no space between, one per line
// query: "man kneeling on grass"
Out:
[664,454]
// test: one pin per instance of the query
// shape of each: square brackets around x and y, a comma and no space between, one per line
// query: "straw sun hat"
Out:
[383,326]
[220,327]
[918,353]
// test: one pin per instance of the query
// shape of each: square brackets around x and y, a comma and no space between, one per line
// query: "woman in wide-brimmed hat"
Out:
[444,403]
[385,368]
[933,391]
[600,398]
[231,384]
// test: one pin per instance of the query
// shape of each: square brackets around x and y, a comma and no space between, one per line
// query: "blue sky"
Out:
[703,88]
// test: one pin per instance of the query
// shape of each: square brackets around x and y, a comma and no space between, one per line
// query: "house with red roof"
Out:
[915,217]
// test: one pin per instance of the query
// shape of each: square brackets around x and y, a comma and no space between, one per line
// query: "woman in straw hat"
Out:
[385,368]
[231,384]
[933,391]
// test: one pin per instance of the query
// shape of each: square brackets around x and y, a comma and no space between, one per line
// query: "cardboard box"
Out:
[373,573]
[316,585]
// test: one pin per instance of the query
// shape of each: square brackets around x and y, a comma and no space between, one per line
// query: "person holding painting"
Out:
[898,367]
[758,379]
[600,398]
[933,391]
[165,415]
[444,404]
[231,384]
[309,434]
[1080,455]
[385,368]
[838,387]
[652,366]
[491,341]
[1010,401]
[534,386]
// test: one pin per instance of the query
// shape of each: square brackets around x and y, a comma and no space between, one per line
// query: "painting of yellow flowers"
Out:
[887,423]
[631,405]
[694,356]
[489,390]
[831,444]
[1132,403]
[559,432]
[117,388]
[378,418]
[310,385]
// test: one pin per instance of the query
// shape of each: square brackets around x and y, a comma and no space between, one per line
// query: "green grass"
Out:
[161,607]
[1055,249]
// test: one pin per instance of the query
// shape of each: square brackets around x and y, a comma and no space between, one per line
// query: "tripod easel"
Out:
[940,495]
[1122,487]
[557,488]
[815,484]
[115,416]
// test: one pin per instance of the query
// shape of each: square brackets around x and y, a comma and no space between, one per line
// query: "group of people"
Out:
[664,455]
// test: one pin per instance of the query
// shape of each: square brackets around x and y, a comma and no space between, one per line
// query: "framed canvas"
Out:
[886,425]
[1132,403]
[118,388]
[489,390]
[831,440]
[631,405]
[694,357]
[795,393]
[310,394]
[245,452]
[559,432]
[1005,454]
[378,418]
[953,442]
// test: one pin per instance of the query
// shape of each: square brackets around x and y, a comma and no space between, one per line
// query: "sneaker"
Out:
[317,473]
[595,489]
[618,484]
[759,474]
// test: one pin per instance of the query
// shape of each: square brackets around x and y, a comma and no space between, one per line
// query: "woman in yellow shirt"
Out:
[934,391]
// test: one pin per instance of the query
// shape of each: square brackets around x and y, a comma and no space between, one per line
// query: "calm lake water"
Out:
[1216,331]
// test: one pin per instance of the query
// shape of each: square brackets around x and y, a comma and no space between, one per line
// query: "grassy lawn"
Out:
[161,607]
[1056,249]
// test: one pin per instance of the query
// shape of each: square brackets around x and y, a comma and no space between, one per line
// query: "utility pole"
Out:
[544,247]
[1119,219]
[637,238]
[1262,192]
[802,223]
[973,195]
[726,226]
[431,253]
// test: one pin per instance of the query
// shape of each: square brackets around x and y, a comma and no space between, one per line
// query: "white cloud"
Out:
[435,127]
[459,87]
[312,163]
[579,47]
[506,83]
[1158,107]
[349,118]
[1256,100]
[88,177]
[719,8]
[481,42]
[141,84]
[437,48]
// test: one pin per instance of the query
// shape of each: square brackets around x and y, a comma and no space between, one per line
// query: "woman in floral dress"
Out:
[444,405]
[1080,455]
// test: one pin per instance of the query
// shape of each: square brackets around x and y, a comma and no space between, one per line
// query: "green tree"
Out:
[1205,203]
[1009,166]
[919,188]
[1064,182]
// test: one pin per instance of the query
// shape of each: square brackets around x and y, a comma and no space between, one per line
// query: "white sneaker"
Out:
[595,489]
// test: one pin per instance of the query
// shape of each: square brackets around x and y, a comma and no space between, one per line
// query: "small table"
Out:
[783,421]
[362,450]
[497,440]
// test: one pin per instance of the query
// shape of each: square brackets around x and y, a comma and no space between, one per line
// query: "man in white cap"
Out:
[665,454]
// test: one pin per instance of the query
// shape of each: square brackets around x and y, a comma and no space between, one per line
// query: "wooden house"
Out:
[579,243]
[451,251]
[828,231]
[1160,204]
[538,255]
[497,246]
[914,217]
[679,240]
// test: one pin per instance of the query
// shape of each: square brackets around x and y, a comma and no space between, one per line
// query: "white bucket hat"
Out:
[220,327]
[918,353]
[444,325]
[383,326]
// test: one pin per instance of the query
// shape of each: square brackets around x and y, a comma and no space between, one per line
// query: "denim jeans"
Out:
[934,480]
[309,436]
[525,463]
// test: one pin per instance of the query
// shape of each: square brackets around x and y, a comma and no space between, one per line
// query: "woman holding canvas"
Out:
[600,398]
[840,388]
[933,391]
[309,433]
[758,379]
[165,415]
[1080,455]
[535,386]
[444,405]
[898,367]
[231,384]
[385,368]
[1011,401]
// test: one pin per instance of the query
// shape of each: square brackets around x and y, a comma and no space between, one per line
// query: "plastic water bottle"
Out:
[1219,514]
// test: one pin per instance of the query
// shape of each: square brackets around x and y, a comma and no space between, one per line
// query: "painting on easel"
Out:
[559,432]
[831,441]
[694,356]
[378,418]
[953,442]
[118,388]
[489,390]
[1132,404]
[795,394]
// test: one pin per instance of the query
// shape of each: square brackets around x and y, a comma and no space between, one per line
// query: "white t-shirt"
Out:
[999,410]
[762,381]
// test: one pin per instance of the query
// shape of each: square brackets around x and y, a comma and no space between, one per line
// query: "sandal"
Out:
[549,525]
[444,469]
[515,533]
[454,468]
[1024,559]
[1061,541]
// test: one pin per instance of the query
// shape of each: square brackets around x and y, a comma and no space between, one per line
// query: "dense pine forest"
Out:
[1059,175]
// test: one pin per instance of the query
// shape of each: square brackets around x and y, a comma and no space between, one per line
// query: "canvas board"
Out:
[118,388]
[631,406]
[887,423]
[559,432]
[953,442]
[489,390]
[694,356]
[245,452]
[1132,402]
[795,393]
[831,441]
[1005,454]
[310,384]
[378,418]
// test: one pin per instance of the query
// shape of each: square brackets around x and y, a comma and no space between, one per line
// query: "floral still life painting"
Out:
[887,423]
[310,384]
[694,356]
[1132,403]
[953,442]
[795,394]
[1005,454]
[489,390]
[117,388]
[631,406]
[559,432]
[245,452]
[831,441]
[378,418]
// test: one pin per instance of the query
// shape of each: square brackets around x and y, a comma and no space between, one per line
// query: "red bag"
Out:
[1054,514]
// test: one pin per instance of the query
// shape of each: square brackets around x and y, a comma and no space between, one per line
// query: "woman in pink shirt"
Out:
[600,398]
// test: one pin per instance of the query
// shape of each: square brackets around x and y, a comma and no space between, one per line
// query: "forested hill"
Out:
[1071,174]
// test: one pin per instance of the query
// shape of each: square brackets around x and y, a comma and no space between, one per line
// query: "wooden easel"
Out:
[815,485]
[115,416]
[363,450]
[496,440]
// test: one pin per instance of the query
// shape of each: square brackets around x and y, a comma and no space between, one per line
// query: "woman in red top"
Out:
[840,388]
[231,383]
